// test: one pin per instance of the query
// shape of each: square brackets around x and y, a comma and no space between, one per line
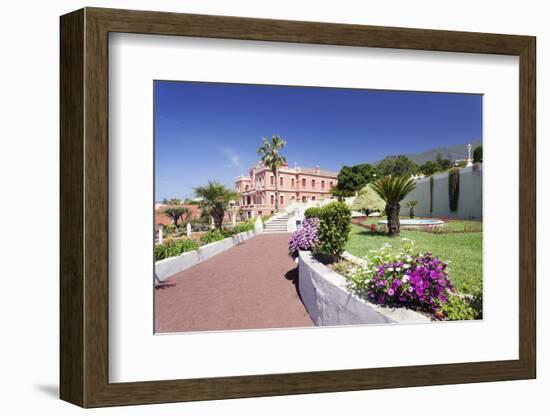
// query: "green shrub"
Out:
[334,229]
[313,212]
[170,228]
[211,237]
[227,232]
[242,227]
[459,309]
[172,248]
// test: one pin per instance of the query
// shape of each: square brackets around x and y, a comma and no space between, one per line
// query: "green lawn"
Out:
[463,250]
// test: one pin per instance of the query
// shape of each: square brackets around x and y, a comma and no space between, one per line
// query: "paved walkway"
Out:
[250,286]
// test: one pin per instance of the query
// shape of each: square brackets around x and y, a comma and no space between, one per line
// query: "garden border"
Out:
[329,302]
[170,266]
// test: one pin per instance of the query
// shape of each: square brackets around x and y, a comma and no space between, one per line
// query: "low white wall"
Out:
[329,302]
[172,265]
[470,195]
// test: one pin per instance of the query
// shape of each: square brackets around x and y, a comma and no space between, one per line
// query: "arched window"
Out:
[304,182]
[292,182]
[313,183]
[323,184]
[282,199]
[281,181]
[272,199]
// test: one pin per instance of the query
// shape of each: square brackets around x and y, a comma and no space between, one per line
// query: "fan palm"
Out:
[271,157]
[393,189]
[215,199]
[175,213]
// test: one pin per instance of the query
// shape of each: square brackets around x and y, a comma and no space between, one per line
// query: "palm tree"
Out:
[411,204]
[175,213]
[215,200]
[393,189]
[269,151]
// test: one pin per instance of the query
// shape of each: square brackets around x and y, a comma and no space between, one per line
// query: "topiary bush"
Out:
[454,188]
[334,229]
[313,212]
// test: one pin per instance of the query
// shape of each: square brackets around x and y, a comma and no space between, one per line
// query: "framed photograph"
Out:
[255,207]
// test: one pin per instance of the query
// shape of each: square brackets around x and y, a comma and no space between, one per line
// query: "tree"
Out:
[171,201]
[355,178]
[271,157]
[478,154]
[444,164]
[368,201]
[215,200]
[340,194]
[429,168]
[175,213]
[393,189]
[397,166]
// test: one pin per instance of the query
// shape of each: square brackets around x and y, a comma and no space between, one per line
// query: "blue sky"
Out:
[211,131]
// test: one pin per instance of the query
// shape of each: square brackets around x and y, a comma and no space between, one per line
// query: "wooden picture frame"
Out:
[84,207]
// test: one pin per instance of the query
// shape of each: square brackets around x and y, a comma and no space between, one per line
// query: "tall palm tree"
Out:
[175,213]
[215,200]
[271,157]
[393,189]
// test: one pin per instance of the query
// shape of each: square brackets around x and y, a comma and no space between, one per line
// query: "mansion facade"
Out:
[257,190]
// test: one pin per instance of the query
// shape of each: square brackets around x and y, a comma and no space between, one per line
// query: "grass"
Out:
[462,249]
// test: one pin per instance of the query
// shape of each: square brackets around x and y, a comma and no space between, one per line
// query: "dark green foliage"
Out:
[212,236]
[429,168]
[443,164]
[397,166]
[334,228]
[431,194]
[173,248]
[478,154]
[459,309]
[454,188]
[313,212]
[242,227]
[175,213]
[215,199]
[393,189]
[354,178]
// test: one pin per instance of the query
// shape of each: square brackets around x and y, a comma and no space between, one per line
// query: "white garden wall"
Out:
[470,195]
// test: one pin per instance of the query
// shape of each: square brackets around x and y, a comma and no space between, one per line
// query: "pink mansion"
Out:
[257,190]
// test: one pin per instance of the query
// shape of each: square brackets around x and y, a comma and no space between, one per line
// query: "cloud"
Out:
[233,158]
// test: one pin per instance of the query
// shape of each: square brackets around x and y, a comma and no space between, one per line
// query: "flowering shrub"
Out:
[401,278]
[306,238]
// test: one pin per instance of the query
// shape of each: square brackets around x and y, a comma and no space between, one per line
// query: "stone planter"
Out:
[329,302]
[172,265]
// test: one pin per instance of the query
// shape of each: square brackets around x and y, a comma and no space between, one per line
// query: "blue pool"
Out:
[416,222]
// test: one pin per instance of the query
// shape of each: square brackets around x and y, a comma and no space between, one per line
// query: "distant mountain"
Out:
[448,152]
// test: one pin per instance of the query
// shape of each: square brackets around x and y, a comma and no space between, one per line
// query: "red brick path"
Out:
[250,286]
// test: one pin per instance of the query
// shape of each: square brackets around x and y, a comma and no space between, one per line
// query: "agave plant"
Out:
[393,189]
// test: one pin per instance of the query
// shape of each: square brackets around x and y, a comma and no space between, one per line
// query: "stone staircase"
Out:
[276,224]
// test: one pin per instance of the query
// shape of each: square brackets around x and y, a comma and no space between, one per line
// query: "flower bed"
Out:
[406,278]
